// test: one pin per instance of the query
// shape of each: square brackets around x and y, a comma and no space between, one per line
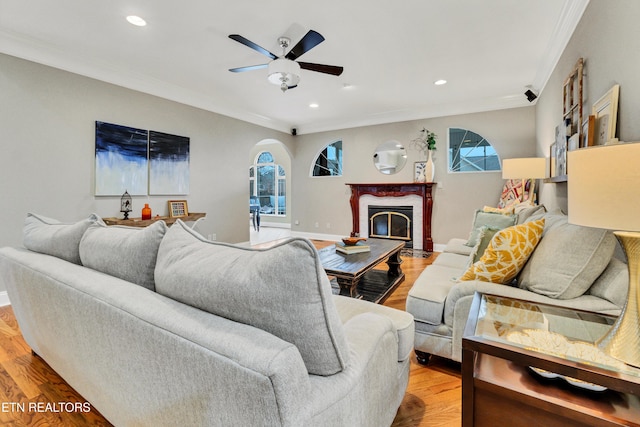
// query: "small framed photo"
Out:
[588,129]
[178,208]
[552,160]
[606,111]
[419,172]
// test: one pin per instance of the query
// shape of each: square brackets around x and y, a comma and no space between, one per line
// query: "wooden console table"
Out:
[138,222]
[500,386]
[394,189]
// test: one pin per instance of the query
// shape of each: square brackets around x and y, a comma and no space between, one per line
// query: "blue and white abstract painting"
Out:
[168,164]
[121,160]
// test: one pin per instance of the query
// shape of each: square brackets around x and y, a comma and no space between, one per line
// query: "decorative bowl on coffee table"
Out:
[350,241]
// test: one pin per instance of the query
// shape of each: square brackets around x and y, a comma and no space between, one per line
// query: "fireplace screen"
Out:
[391,222]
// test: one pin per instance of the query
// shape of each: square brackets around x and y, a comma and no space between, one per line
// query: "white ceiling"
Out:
[392,52]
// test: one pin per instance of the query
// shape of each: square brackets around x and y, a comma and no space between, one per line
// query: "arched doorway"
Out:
[269,191]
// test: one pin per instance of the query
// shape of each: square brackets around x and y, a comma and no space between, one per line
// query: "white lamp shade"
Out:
[524,168]
[290,69]
[604,187]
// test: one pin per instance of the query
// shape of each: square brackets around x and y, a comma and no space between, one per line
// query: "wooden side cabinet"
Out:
[506,380]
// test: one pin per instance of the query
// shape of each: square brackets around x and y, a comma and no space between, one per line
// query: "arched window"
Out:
[267,182]
[470,152]
[329,161]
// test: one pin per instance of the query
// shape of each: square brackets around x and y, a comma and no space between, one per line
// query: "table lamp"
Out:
[604,192]
[523,169]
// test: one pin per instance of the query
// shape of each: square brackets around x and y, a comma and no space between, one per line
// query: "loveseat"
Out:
[557,263]
[157,326]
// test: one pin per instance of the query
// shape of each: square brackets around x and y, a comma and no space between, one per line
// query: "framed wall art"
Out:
[178,208]
[605,111]
[121,160]
[588,129]
[168,164]
[552,160]
[419,174]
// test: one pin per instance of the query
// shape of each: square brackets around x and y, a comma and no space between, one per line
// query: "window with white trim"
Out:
[329,161]
[471,152]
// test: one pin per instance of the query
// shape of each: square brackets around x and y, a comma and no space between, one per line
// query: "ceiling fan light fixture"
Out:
[284,73]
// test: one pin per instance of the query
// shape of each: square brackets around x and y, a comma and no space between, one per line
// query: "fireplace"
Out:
[391,222]
[417,195]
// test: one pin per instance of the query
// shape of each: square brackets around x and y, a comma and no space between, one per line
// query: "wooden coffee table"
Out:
[356,275]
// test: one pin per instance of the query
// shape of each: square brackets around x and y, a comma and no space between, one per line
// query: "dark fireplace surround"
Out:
[422,189]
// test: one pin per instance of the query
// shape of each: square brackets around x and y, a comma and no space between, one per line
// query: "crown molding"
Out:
[43,53]
[568,21]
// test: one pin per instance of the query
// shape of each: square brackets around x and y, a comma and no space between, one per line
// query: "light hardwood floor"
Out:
[433,397]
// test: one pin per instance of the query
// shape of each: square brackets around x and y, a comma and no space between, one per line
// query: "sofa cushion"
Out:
[283,290]
[427,296]
[128,253]
[489,219]
[52,237]
[453,260]
[567,261]
[506,254]
[613,283]
[458,246]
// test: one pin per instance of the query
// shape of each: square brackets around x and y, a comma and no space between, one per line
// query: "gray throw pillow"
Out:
[613,283]
[489,219]
[567,261]
[484,238]
[282,290]
[52,237]
[128,253]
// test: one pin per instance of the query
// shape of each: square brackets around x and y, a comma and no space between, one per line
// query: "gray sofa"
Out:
[571,266]
[160,327]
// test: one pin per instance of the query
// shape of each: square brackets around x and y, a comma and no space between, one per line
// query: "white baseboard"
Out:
[274,224]
[4,299]
[318,236]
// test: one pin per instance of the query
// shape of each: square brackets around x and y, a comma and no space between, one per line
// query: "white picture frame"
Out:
[605,110]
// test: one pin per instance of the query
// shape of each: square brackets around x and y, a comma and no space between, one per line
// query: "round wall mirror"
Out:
[390,157]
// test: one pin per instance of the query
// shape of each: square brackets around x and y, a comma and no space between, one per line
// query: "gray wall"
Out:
[47,125]
[608,38]
[325,200]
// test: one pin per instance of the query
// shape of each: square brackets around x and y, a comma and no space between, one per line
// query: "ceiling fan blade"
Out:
[252,45]
[248,68]
[308,42]
[321,68]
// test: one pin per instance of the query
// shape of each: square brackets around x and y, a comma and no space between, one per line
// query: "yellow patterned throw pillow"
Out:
[507,253]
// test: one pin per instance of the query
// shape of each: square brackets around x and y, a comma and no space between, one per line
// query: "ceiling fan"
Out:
[285,70]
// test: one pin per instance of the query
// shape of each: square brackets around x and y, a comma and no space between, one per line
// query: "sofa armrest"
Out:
[468,288]
[402,321]
[373,381]
[459,299]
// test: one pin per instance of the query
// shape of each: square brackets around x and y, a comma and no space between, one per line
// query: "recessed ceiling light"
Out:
[347,86]
[136,20]
[313,105]
[440,82]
